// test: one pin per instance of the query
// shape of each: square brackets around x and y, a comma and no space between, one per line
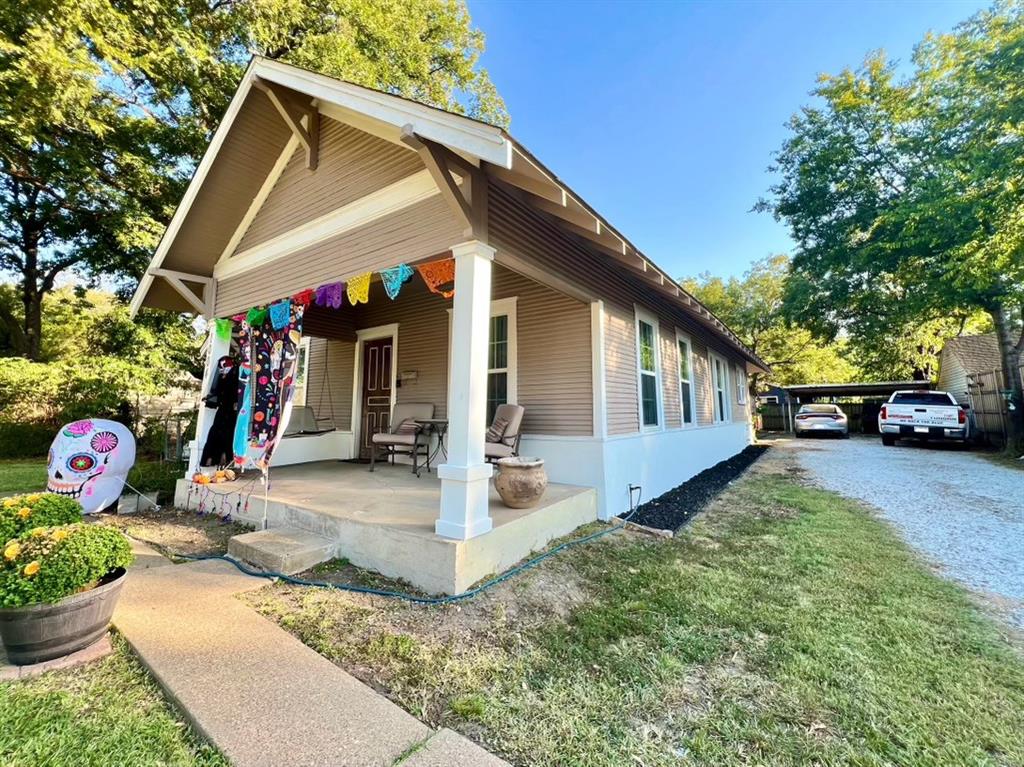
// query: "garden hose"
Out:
[413,597]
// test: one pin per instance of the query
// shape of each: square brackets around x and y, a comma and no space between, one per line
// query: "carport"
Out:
[860,402]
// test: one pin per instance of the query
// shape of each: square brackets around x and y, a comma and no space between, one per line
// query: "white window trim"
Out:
[642,315]
[304,359]
[510,307]
[362,336]
[741,385]
[726,416]
[681,336]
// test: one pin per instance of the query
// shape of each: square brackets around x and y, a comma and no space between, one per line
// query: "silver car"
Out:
[821,419]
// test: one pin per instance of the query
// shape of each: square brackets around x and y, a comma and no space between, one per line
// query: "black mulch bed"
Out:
[673,509]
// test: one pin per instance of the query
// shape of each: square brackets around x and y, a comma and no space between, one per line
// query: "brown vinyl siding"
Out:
[555,381]
[420,231]
[352,165]
[702,384]
[422,319]
[553,351]
[670,376]
[536,239]
[621,394]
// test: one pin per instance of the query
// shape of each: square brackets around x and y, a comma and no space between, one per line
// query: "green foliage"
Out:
[904,195]
[156,476]
[105,108]
[43,510]
[47,564]
[24,439]
[752,307]
[53,393]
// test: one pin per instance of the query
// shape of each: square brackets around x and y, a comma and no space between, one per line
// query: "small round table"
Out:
[438,426]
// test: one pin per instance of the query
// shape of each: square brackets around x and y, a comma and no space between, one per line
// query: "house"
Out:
[627,381]
[964,356]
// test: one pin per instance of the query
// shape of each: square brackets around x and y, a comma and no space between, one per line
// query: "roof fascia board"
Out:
[457,132]
[194,186]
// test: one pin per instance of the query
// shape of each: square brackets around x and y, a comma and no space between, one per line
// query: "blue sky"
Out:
[664,115]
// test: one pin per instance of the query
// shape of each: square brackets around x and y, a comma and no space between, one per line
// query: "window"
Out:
[501,354]
[686,392]
[647,368]
[922,398]
[301,373]
[741,386]
[497,365]
[719,388]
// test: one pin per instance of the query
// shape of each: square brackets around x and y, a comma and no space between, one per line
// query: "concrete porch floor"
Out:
[384,520]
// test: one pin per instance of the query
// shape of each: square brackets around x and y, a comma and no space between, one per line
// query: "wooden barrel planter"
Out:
[41,632]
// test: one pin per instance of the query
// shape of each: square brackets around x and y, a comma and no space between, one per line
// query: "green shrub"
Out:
[25,439]
[46,564]
[26,512]
[154,476]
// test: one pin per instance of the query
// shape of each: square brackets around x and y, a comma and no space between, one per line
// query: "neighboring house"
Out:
[625,378]
[964,356]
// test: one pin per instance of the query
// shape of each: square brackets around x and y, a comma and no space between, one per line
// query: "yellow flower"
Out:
[24,512]
[32,568]
[60,535]
[34,498]
[37,532]
[12,550]
[10,503]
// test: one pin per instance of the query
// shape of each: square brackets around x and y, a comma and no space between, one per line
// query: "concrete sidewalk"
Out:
[257,693]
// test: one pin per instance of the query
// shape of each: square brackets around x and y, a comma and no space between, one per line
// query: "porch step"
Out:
[285,550]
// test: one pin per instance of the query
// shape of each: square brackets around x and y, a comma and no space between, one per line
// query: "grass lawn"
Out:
[27,475]
[105,714]
[786,626]
[22,475]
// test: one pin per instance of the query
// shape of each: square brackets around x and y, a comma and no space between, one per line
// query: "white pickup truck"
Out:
[923,415]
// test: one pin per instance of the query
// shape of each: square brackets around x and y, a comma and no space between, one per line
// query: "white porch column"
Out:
[215,349]
[465,476]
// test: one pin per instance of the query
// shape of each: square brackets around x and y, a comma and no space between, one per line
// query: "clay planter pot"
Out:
[37,633]
[521,481]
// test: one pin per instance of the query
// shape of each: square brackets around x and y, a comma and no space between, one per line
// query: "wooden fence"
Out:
[988,405]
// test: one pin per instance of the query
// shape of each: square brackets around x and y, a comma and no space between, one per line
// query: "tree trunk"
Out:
[33,303]
[1010,355]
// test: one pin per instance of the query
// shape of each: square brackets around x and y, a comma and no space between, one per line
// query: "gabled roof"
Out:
[977,354]
[201,229]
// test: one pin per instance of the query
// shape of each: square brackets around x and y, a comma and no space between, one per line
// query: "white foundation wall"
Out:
[656,461]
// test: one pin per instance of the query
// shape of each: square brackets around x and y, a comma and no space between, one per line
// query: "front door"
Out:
[377,361]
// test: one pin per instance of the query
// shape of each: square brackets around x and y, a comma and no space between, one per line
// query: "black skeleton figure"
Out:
[224,397]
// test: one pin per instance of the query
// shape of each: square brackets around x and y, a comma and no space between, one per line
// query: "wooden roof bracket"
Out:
[202,304]
[293,113]
[467,200]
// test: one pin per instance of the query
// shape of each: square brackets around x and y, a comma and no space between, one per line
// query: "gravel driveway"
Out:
[960,510]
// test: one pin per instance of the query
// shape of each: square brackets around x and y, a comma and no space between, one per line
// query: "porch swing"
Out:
[304,420]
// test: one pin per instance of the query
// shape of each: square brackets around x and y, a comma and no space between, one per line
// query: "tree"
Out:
[752,307]
[106,105]
[904,195]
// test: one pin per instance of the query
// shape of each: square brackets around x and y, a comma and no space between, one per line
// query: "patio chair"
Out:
[502,440]
[404,435]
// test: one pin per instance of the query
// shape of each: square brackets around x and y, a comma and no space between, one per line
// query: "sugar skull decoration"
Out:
[89,461]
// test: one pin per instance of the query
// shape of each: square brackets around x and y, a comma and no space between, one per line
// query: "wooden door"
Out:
[377,362]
